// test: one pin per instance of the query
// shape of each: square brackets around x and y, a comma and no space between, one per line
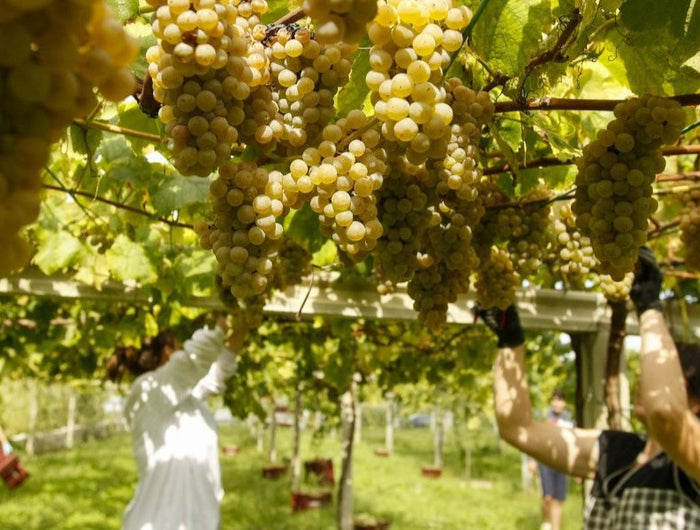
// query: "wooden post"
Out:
[260,433]
[358,422]
[70,425]
[437,437]
[33,415]
[272,455]
[296,447]
[389,432]
[345,493]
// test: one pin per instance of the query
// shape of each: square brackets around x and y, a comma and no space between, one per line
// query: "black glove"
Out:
[505,324]
[646,286]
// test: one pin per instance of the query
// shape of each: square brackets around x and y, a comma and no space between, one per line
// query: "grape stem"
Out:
[291,17]
[467,32]
[548,103]
[342,144]
[91,196]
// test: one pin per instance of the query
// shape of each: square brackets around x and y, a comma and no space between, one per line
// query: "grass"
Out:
[88,487]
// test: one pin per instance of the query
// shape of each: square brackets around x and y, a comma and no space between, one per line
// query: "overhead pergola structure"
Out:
[582,314]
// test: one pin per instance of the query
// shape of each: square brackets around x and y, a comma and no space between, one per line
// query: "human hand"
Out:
[646,286]
[505,324]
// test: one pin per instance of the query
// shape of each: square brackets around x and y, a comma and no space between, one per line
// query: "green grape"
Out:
[619,168]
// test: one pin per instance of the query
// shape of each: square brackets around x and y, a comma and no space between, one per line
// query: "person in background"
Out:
[174,435]
[641,482]
[554,485]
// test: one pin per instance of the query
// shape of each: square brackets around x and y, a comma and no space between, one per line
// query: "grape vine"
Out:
[48,79]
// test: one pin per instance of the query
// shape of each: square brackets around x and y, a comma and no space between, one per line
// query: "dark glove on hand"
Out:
[646,286]
[505,324]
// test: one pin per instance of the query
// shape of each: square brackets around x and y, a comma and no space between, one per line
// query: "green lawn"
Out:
[88,487]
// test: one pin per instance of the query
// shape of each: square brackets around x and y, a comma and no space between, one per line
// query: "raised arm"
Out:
[225,365]
[670,416]
[567,449]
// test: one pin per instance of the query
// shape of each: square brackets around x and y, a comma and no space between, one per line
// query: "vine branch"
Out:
[549,103]
[672,150]
[109,127]
[118,205]
[556,52]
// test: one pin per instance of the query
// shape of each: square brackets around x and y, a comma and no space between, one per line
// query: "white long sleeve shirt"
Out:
[175,439]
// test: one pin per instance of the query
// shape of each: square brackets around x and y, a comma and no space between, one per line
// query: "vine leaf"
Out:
[176,191]
[143,34]
[354,94]
[655,40]
[509,33]
[120,161]
[125,9]
[58,252]
[128,260]
[508,152]
[302,226]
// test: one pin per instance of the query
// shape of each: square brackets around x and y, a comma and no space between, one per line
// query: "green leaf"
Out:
[693,63]
[120,161]
[177,191]
[276,9]
[557,131]
[131,117]
[125,9]
[85,140]
[508,152]
[326,255]
[57,252]
[509,33]
[655,40]
[143,34]
[195,272]
[355,92]
[128,261]
[302,226]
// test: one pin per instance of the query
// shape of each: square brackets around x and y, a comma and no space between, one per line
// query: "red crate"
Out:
[12,471]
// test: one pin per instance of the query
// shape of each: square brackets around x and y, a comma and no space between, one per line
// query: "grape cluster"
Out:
[616,290]
[245,234]
[305,76]
[403,211]
[613,201]
[204,67]
[340,21]
[573,249]
[445,267]
[412,42]
[690,228]
[496,280]
[341,185]
[293,263]
[459,169]
[531,239]
[54,54]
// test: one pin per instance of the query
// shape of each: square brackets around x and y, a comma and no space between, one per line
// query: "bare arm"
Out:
[571,450]
[670,419]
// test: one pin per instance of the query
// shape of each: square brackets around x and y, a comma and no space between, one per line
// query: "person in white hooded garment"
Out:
[174,435]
